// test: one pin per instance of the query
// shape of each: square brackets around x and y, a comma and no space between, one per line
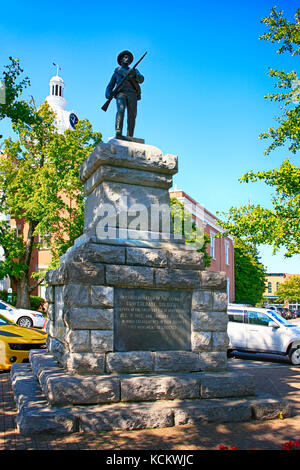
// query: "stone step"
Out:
[35,416]
[61,388]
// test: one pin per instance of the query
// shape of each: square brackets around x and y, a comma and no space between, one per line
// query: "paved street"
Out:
[277,377]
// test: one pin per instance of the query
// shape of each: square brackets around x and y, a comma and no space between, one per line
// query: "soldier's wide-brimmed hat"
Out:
[121,55]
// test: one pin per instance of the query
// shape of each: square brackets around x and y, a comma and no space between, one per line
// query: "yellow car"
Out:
[16,342]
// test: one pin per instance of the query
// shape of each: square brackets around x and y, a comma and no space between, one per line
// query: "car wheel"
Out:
[294,356]
[25,322]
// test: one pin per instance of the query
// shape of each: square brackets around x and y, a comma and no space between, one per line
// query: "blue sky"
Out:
[205,82]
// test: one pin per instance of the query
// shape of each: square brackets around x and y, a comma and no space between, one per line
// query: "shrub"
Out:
[35,302]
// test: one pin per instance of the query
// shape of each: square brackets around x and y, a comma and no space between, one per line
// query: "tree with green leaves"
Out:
[38,180]
[278,226]
[249,274]
[289,290]
[13,84]
[280,29]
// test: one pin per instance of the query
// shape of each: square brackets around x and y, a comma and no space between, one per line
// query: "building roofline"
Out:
[194,201]
[207,212]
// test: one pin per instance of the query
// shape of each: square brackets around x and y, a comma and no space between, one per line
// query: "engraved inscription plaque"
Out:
[152,320]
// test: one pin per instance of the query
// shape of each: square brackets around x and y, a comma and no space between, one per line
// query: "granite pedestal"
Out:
[137,331]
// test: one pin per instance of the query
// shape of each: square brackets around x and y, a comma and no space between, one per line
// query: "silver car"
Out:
[261,330]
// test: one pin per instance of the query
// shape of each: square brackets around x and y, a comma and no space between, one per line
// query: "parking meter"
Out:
[9,295]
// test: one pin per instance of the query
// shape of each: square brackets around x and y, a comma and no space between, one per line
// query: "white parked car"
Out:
[21,316]
[262,330]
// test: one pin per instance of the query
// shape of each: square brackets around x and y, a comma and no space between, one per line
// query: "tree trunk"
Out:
[22,284]
[23,292]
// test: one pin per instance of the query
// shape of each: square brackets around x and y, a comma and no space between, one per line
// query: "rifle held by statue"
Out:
[119,87]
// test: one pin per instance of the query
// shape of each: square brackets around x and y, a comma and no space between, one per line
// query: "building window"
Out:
[270,287]
[228,290]
[277,285]
[44,241]
[212,245]
[226,252]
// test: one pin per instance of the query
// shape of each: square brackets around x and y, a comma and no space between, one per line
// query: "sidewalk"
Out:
[280,379]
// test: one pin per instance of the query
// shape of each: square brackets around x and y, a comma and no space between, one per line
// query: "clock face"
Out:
[73,120]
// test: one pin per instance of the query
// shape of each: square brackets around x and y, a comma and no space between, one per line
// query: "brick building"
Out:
[273,280]
[221,249]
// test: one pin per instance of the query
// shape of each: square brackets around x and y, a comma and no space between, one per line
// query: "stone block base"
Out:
[62,388]
[49,400]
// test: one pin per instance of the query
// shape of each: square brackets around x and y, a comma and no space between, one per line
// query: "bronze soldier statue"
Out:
[127,92]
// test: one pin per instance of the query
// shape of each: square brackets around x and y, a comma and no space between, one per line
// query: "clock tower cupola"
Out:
[64,119]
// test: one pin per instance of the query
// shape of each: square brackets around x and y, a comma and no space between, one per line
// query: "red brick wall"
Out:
[218,263]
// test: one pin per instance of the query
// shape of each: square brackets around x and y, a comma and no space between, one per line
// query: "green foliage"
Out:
[13,247]
[15,108]
[39,183]
[280,29]
[249,274]
[289,290]
[278,226]
[66,153]
[183,224]
[35,301]
[287,33]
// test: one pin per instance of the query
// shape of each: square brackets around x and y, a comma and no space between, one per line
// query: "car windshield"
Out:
[6,306]
[279,318]
[5,321]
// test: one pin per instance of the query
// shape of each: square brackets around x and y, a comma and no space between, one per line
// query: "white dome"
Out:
[57,79]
